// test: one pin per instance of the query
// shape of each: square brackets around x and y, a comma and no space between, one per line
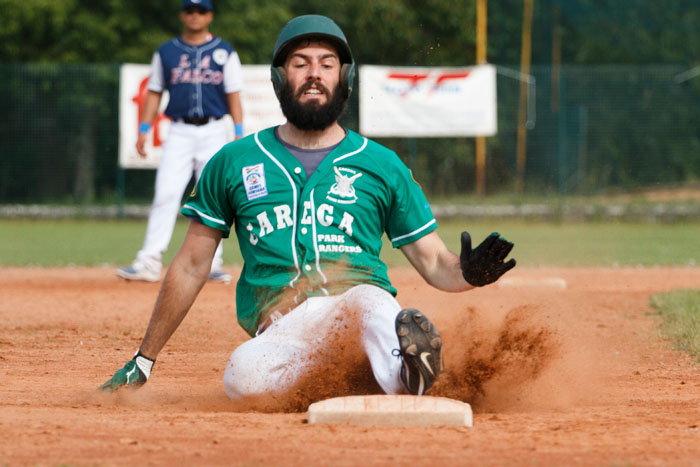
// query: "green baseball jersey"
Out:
[302,237]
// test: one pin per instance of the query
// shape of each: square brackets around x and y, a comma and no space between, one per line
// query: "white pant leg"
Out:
[172,176]
[210,138]
[379,335]
[272,362]
[275,361]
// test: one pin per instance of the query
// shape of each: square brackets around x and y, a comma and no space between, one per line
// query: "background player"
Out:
[203,76]
[309,202]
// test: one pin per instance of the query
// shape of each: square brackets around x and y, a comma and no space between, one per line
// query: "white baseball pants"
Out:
[186,150]
[274,362]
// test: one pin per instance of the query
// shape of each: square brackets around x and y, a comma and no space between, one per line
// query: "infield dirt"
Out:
[575,376]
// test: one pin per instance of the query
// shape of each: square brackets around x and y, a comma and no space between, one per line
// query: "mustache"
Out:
[306,86]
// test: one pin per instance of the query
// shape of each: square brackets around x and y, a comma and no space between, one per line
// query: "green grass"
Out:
[583,244]
[680,310]
[589,244]
[114,242]
[76,242]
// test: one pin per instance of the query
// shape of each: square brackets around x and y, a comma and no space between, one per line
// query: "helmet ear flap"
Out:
[347,77]
[278,77]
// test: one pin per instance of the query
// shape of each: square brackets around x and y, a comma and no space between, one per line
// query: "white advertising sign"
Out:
[260,110]
[428,102]
[133,81]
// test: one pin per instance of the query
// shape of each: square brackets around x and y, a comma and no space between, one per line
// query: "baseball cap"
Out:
[203,3]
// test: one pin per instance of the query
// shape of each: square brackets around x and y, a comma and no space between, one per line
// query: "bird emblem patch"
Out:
[342,190]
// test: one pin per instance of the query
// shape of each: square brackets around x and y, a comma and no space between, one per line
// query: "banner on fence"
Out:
[428,102]
[260,110]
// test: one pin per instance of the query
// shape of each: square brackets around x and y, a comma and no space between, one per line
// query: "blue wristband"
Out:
[144,127]
[239,129]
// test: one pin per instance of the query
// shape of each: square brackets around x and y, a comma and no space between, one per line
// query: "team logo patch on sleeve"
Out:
[220,56]
[254,181]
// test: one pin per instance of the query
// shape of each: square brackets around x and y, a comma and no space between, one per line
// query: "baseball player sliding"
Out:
[203,76]
[309,201]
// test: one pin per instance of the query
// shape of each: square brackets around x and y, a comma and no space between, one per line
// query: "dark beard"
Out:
[312,116]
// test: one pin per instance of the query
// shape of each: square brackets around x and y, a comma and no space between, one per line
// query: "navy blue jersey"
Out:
[195,77]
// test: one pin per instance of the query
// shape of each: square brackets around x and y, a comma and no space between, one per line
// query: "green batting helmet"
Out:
[308,27]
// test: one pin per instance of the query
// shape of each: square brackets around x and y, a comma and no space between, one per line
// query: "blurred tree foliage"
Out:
[395,32]
[629,32]
[616,126]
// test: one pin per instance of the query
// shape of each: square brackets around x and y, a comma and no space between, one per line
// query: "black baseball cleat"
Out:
[420,348]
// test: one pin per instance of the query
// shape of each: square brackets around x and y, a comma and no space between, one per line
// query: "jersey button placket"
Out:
[305,238]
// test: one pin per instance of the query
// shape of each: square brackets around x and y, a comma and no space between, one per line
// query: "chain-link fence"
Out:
[590,128]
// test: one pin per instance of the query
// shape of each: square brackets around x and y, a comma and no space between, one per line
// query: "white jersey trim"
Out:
[362,148]
[313,232]
[413,233]
[209,218]
[294,206]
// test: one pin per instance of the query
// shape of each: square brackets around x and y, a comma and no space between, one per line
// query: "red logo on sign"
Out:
[139,99]
[414,79]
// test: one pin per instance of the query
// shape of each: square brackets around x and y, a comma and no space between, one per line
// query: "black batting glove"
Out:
[484,264]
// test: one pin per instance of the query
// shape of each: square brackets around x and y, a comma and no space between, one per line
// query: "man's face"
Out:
[312,98]
[196,18]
